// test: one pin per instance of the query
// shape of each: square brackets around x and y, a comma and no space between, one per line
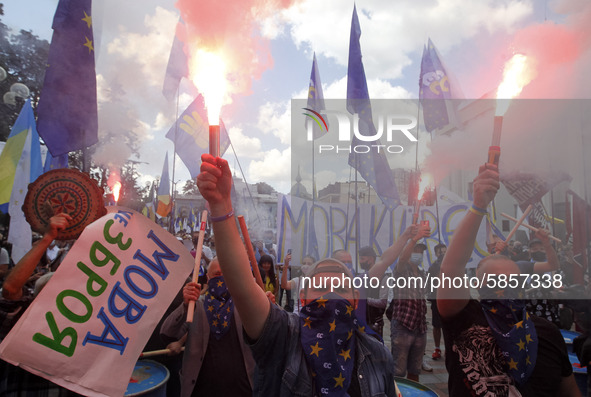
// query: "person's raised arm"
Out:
[551,263]
[390,255]
[13,285]
[215,184]
[285,283]
[451,301]
[423,231]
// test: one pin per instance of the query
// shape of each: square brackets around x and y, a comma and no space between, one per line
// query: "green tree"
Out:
[24,57]
[190,187]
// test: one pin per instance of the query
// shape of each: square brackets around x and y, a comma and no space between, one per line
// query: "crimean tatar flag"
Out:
[190,134]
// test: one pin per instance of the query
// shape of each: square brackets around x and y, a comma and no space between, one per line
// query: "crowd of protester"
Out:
[292,339]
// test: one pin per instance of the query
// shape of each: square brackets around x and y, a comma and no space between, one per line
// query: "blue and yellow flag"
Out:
[22,146]
[164,199]
[177,67]
[20,164]
[67,112]
[373,165]
[190,134]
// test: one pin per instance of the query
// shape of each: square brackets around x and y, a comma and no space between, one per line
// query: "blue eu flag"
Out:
[67,112]
[373,165]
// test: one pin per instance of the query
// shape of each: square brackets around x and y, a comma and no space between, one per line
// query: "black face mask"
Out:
[538,256]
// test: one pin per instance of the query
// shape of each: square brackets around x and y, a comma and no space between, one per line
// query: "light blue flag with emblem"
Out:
[27,170]
[436,88]
[191,136]
[373,165]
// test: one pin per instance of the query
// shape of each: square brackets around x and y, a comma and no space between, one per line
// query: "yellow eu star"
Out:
[315,349]
[512,364]
[88,19]
[521,345]
[308,322]
[322,302]
[89,45]
[333,325]
[345,353]
[339,380]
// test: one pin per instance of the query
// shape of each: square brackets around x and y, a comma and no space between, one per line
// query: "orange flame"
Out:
[208,73]
[116,190]
[518,72]
[425,182]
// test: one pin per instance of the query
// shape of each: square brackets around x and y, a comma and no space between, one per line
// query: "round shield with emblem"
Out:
[64,190]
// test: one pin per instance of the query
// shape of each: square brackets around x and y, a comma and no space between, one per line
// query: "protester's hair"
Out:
[337,252]
[332,266]
[215,258]
[439,246]
[271,275]
[491,257]
[309,256]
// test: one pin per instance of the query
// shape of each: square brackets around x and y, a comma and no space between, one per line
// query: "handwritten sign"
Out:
[318,229]
[88,326]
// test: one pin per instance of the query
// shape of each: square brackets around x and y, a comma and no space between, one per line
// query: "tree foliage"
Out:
[24,57]
[190,187]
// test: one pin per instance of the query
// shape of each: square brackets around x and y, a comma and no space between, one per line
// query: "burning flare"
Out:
[518,73]
[425,182]
[116,190]
[208,73]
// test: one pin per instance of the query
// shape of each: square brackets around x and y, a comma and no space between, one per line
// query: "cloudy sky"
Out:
[475,38]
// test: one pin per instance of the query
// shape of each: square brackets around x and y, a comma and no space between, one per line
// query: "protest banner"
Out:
[88,326]
[334,228]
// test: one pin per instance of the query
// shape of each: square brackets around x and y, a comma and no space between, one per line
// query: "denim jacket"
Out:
[282,369]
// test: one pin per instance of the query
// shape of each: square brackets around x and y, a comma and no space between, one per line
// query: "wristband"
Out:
[223,217]
[477,211]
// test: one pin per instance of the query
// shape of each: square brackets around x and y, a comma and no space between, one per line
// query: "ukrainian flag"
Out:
[15,150]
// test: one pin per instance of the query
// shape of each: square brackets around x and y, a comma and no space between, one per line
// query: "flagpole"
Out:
[246,183]
[172,197]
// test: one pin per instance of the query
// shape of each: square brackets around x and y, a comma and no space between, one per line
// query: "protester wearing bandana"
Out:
[323,351]
[216,361]
[493,347]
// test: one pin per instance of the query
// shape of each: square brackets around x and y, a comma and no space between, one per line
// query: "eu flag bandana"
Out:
[327,336]
[515,334]
[219,307]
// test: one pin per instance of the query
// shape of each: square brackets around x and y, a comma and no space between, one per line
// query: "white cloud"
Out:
[147,49]
[393,30]
[275,166]
[275,118]
[245,146]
